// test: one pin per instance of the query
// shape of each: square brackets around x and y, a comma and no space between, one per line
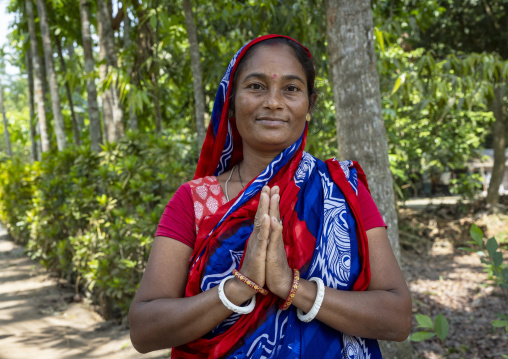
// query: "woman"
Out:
[274,259]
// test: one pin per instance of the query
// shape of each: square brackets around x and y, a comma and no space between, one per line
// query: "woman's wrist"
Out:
[284,285]
[237,291]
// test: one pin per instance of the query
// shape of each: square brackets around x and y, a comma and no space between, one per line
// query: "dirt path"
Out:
[38,320]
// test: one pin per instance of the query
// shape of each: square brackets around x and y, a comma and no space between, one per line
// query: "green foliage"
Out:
[503,322]
[491,256]
[468,185]
[439,327]
[494,266]
[91,217]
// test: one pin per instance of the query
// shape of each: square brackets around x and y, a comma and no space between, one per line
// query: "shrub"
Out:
[91,217]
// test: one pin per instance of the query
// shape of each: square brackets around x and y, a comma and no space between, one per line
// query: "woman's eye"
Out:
[292,88]
[255,86]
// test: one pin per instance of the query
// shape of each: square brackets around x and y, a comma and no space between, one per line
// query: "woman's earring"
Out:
[230,114]
[307,117]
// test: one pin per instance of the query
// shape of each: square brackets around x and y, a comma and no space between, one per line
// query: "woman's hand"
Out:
[278,274]
[253,266]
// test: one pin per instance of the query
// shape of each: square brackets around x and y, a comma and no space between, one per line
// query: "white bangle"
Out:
[317,303]
[240,310]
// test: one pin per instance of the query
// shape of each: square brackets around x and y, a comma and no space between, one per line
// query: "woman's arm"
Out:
[160,317]
[381,312]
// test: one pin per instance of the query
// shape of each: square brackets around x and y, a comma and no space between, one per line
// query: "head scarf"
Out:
[323,236]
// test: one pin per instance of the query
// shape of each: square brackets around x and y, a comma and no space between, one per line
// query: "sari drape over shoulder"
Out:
[323,237]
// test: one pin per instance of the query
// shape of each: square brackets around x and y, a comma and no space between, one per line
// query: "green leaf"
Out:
[424,321]
[497,259]
[441,327]
[379,38]
[399,82]
[499,323]
[504,272]
[476,234]
[420,336]
[492,246]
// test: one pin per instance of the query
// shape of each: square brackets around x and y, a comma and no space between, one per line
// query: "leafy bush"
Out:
[439,327]
[493,259]
[91,217]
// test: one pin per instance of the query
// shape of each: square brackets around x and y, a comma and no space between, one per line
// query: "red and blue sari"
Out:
[323,237]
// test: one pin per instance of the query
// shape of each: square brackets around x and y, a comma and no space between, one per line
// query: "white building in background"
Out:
[485,165]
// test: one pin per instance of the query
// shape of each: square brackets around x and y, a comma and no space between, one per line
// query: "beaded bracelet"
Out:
[227,303]
[317,303]
[292,292]
[250,283]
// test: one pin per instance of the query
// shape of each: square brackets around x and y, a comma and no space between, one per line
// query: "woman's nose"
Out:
[274,99]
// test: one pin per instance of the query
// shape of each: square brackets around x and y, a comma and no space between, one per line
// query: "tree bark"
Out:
[199,97]
[93,108]
[75,129]
[361,133]
[50,71]
[155,74]
[499,144]
[38,80]
[6,125]
[29,70]
[114,124]
[127,43]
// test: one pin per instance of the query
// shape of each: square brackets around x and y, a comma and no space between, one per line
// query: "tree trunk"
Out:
[155,74]
[361,133]
[29,70]
[6,125]
[114,124]
[498,132]
[75,129]
[38,80]
[127,43]
[93,108]
[199,98]
[50,70]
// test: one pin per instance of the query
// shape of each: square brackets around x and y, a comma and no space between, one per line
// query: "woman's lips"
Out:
[271,121]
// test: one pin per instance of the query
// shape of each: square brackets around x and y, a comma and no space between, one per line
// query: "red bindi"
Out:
[274,76]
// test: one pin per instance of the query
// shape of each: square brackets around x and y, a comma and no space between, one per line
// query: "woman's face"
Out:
[271,99]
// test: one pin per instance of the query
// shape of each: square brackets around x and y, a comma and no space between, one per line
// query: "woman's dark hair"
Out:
[301,55]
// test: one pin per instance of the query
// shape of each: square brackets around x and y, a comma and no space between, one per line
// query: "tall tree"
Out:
[75,129]
[6,125]
[155,73]
[50,72]
[34,147]
[38,78]
[199,97]
[112,108]
[127,43]
[93,108]
[479,27]
[499,144]
[361,133]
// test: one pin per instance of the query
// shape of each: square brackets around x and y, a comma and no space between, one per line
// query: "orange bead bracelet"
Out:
[250,283]
[292,292]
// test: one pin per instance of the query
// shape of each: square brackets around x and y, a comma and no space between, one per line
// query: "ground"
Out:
[40,317]
[444,279]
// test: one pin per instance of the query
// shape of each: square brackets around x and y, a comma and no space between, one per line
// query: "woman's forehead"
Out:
[274,60]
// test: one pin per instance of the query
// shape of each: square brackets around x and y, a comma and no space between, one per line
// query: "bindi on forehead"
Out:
[274,76]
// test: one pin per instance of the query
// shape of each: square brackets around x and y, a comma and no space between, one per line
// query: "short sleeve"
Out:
[178,219]
[370,213]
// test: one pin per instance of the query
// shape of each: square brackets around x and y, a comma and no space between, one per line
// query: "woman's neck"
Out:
[254,163]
